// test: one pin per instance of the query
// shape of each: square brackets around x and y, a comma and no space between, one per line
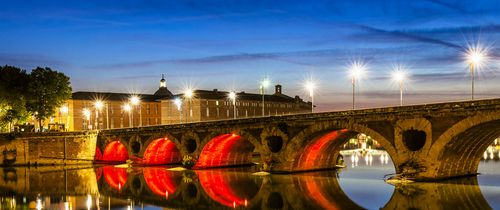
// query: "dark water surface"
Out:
[359,186]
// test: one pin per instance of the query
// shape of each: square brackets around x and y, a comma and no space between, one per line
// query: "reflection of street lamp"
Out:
[476,57]
[178,103]
[310,86]
[86,114]
[232,96]
[399,75]
[263,85]
[98,104]
[188,94]
[356,70]
[128,108]
[134,101]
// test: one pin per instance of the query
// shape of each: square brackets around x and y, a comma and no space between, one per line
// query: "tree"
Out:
[47,90]
[13,86]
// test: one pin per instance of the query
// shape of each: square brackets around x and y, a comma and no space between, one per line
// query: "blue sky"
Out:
[125,46]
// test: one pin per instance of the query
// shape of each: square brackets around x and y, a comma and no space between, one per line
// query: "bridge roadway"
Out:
[425,142]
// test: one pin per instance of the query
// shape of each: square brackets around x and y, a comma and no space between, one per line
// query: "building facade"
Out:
[207,105]
[103,110]
[99,110]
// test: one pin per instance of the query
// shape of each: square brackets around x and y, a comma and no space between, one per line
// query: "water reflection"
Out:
[113,187]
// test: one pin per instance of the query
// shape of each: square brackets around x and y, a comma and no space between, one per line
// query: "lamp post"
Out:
[476,57]
[134,101]
[263,85]
[98,104]
[126,107]
[178,103]
[86,115]
[310,86]
[232,96]
[399,76]
[188,94]
[356,70]
[65,111]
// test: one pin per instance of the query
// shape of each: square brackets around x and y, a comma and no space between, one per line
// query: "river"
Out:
[358,186]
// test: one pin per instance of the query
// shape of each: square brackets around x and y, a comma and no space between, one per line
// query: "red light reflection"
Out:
[160,181]
[115,152]
[115,177]
[319,154]
[161,151]
[225,150]
[217,186]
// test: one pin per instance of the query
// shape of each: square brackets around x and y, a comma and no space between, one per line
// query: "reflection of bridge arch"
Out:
[226,187]
[451,194]
[160,181]
[115,177]
[318,146]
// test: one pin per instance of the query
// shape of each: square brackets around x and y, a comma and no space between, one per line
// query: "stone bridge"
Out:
[425,142]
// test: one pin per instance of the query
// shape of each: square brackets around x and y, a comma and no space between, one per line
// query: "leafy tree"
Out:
[47,90]
[13,86]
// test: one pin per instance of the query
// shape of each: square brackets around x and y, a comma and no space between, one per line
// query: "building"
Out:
[206,105]
[101,110]
[104,110]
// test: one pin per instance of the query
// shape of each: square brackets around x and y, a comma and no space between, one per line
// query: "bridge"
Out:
[425,142]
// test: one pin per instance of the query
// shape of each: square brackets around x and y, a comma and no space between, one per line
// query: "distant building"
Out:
[207,105]
[115,110]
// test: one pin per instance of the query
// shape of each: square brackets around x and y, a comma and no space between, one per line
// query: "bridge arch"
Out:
[227,148]
[318,146]
[460,148]
[161,151]
[115,152]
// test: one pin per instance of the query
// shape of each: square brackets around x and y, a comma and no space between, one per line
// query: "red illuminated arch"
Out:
[115,177]
[320,152]
[225,150]
[161,151]
[115,151]
[160,181]
[217,186]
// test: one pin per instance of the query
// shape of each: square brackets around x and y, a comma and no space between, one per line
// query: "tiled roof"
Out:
[221,95]
[82,95]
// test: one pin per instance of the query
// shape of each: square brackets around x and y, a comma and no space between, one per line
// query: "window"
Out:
[208,112]
[217,103]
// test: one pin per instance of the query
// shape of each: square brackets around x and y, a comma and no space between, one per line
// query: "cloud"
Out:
[394,36]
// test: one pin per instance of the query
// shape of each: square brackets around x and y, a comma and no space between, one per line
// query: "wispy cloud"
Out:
[395,36]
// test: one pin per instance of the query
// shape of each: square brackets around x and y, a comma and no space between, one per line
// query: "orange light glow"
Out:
[161,151]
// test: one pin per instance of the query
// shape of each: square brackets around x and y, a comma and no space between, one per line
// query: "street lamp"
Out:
[126,107]
[263,85]
[64,110]
[232,96]
[188,94]
[134,101]
[310,86]
[98,104]
[178,103]
[399,75]
[356,70]
[476,57]
[86,115]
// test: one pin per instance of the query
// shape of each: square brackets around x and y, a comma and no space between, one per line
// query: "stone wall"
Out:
[47,148]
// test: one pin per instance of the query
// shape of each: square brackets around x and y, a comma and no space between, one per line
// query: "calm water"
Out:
[359,186]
